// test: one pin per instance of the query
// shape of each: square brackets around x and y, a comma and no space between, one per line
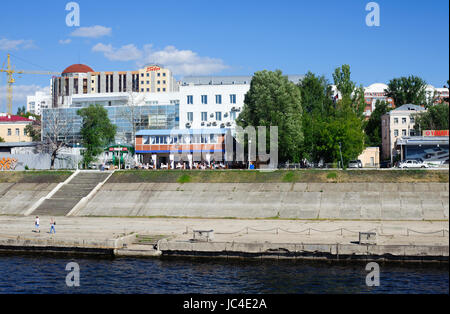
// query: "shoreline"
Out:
[333,241]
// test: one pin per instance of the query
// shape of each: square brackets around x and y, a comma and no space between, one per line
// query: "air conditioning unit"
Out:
[225,114]
[212,115]
[228,123]
[188,125]
[222,125]
[203,123]
[214,123]
[234,109]
[209,124]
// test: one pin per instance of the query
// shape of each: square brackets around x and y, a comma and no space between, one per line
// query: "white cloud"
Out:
[124,53]
[181,62]
[7,44]
[20,93]
[65,41]
[92,31]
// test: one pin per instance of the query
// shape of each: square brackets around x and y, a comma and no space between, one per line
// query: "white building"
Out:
[396,124]
[39,101]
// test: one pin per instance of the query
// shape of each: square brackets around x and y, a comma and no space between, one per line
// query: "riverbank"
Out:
[417,241]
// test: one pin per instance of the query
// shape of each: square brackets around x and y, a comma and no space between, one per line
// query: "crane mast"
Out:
[10,81]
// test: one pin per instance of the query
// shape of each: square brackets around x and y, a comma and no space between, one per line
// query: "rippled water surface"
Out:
[43,274]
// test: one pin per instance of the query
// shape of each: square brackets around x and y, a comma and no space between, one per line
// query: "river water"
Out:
[47,274]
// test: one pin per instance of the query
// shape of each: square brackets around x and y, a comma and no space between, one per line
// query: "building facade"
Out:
[39,101]
[396,124]
[12,128]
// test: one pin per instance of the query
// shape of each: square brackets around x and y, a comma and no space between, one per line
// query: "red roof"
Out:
[78,68]
[13,118]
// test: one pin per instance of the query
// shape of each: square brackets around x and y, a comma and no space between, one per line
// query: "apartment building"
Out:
[39,101]
[396,124]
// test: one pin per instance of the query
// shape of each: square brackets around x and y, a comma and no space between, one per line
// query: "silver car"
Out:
[355,164]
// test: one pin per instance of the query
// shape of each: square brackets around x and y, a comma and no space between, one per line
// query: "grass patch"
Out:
[279,176]
[184,179]
[44,176]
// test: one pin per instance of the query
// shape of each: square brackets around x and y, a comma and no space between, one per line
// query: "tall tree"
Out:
[344,84]
[275,101]
[435,118]
[97,132]
[407,90]
[372,127]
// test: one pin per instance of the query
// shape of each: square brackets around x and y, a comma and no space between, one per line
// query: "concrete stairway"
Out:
[62,202]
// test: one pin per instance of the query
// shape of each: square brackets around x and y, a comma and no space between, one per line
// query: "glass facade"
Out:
[66,124]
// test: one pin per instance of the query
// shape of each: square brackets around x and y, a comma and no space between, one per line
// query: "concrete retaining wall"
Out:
[385,201]
[16,198]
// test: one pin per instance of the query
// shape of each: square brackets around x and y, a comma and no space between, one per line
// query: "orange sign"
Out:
[153,68]
[435,133]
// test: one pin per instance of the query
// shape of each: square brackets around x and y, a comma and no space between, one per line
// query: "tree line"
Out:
[314,124]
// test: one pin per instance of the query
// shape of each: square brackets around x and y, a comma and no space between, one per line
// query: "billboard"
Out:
[435,133]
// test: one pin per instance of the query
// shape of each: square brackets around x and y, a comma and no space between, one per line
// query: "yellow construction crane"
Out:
[9,72]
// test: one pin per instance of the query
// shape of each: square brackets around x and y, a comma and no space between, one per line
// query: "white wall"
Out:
[211,107]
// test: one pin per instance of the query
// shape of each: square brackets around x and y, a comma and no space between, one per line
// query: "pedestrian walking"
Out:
[36,224]
[52,226]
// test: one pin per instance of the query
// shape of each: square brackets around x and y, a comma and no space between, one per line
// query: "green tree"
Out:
[344,84]
[21,111]
[372,127]
[435,118]
[34,131]
[2,140]
[275,101]
[407,90]
[97,132]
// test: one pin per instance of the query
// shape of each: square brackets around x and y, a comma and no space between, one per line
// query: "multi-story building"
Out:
[396,124]
[39,101]
[80,79]
[373,93]
[12,128]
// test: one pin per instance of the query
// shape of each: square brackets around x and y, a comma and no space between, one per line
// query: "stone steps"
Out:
[62,202]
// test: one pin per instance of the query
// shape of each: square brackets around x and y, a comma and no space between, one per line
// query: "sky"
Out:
[230,37]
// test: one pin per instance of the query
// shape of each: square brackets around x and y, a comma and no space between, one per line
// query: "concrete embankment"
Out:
[351,201]
[331,240]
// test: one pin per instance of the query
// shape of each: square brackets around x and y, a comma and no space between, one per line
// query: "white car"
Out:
[412,164]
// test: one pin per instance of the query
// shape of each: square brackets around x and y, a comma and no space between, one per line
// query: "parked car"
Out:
[355,164]
[413,164]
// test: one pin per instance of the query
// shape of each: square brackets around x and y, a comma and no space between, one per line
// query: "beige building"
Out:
[80,79]
[396,124]
[370,157]
[12,128]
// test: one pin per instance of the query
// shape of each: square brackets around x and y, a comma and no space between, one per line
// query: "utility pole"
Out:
[340,152]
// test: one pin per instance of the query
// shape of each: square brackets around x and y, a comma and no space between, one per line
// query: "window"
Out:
[148,82]
[233,115]
[164,74]
[25,132]
[204,116]
[395,120]
[164,82]
[218,99]
[204,99]
[219,116]
[159,89]
[190,99]
[403,120]
[148,74]
[164,89]
[395,133]
[403,132]
[142,74]
[411,119]
[412,132]
[142,82]
[233,98]
[159,82]
[148,89]
[142,89]
[190,116]
[17,132]
[159,74]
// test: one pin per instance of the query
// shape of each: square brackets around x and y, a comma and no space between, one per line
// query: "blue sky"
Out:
[228,37]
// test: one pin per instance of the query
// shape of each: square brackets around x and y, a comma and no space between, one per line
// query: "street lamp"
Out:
[340,152]
[120,153]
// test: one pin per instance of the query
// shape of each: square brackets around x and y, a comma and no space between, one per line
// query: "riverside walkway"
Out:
[117,233]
